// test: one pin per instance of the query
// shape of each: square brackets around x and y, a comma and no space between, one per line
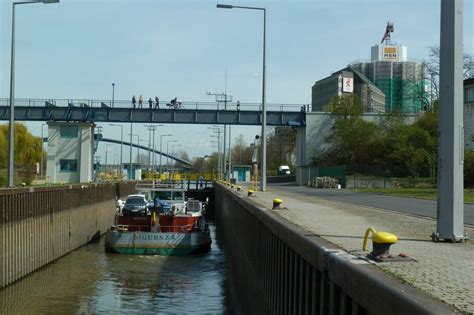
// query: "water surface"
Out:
[92,281]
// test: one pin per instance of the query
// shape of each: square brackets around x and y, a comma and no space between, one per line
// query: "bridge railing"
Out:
[39,102]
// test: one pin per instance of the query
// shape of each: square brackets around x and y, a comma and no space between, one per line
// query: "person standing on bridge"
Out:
[150,103]
[157,102]
[134,101]
[238,105]
[140,101]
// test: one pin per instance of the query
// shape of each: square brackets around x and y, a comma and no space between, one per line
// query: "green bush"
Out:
[469,168]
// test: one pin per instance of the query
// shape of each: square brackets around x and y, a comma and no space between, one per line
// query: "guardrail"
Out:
[40,102]
[279,268]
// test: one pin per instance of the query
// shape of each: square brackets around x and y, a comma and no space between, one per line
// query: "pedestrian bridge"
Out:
[121,111]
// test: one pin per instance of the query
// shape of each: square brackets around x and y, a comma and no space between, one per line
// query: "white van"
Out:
[284,170]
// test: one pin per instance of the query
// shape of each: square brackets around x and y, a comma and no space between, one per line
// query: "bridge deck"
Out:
[190,113]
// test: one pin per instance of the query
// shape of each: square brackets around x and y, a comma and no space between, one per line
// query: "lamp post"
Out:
[167,151]
[151,159]
[106,151]
[202,163]
[173,152]
[161,149]
[113,94]
[215,144]
[11,136]
[219,159]
[138,144]
[121,142]
[145,142]
[131,151]
[263,178]
[218,130]
[42,143]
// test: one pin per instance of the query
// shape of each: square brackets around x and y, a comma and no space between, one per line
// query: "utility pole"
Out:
[131,148]
[230,153]
[151,148]
[221,163]
[223,98]
[113,94]
[450,206]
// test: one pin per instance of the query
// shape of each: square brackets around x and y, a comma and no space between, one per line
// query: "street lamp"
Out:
[121,142]
[161,149]
[263,178]
[167,151]
[113,94]
[202,163]
[42,145]
[106,151]
[143,141]
[138,144]
[11,137]
[219,164]
[218,130]
[151,161]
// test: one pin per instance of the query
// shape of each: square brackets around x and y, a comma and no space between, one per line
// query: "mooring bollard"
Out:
[239,188]
[249,192]
[381,242]
[276,203]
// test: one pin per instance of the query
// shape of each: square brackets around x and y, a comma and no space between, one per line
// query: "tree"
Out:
[345,107]
[433,66]
[28,151]
[410,150]
[183,155]
[281,146]
[469,168]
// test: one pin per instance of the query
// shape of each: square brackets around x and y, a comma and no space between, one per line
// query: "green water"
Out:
[91,281]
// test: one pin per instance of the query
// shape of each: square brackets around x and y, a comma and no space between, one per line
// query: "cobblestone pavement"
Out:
[444,270]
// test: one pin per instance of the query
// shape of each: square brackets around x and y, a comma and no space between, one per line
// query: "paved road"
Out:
[421,207]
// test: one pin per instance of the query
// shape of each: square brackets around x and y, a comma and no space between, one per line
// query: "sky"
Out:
[77,48]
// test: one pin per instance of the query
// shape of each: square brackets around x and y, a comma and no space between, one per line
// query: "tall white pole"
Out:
[263,178]
[42,146]
[131,151]
[11,138]
[230,152]
[11,133]
[121,147]
[450,207]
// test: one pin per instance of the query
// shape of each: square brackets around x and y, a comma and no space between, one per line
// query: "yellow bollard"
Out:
[381,242]
[276,203]
[239,188]
[249,192]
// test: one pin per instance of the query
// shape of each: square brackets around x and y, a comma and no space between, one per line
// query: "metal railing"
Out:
[146,227]
[186,105]
[178,185]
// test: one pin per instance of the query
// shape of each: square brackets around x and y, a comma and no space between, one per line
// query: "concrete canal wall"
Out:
[40,225]
[279,268]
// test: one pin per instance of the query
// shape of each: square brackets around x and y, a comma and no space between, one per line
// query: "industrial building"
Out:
[388,82]
[70,152]
[346,82]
